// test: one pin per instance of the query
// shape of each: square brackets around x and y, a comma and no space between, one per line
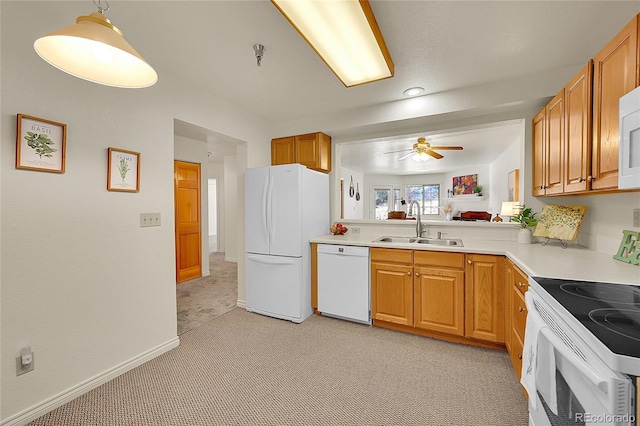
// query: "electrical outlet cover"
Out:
[19,368]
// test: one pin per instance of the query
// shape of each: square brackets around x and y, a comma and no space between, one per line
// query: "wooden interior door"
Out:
[186,178]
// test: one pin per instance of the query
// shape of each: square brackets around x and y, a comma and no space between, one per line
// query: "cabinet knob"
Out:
[520,284]
[541,187]
[409,273]
[521,309]
[469,261]
[519,356]
[581,180]
[417,274]
[590,178]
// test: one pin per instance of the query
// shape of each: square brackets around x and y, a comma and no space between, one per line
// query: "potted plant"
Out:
[478,190]
[527,219]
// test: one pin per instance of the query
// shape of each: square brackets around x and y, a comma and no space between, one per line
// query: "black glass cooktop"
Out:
[610,311]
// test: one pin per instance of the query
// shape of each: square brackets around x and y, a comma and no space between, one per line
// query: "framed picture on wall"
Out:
[40,144]
[123,170]
[513,183]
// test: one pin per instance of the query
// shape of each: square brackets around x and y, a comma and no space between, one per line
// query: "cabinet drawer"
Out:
[439,258]
[520,280]
[516,353]
[392,256]
[519,312]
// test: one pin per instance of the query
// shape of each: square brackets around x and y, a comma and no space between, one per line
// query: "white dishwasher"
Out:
[343,282]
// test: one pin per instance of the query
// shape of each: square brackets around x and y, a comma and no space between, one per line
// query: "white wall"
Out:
[81,282]
[353,209]
[499,172]
[193,151]
[231,213]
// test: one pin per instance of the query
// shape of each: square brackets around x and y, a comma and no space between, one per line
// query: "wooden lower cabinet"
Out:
[392,293]
[485,297]
[438,294]
[517,284]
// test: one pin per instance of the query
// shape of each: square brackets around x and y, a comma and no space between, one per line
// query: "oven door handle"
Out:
[568,353]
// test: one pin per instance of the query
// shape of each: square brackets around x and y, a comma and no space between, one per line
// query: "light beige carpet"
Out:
[202,299]
[247,369]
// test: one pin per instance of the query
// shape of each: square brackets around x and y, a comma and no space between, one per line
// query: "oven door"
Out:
[581,389]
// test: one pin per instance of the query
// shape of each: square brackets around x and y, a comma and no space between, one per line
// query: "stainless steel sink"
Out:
[452,242]
[441,242]
[396,240]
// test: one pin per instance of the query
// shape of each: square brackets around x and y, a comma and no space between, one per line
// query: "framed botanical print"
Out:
[40,144]
[123,170]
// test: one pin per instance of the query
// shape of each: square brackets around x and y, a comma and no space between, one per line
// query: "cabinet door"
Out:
[439,300]
[283,151]
[615,74]
[392,293]
[554,145]
[577,152]
[538,129]
[508,284]
[308,150]
[484,303]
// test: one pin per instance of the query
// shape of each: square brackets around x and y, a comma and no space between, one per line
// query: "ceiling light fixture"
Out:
[95,50]
[345,35]
[421,156]
[413,91]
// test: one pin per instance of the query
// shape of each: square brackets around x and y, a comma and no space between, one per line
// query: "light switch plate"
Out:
[149,219]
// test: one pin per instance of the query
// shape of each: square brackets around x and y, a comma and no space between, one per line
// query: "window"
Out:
[427,196]
[382,201]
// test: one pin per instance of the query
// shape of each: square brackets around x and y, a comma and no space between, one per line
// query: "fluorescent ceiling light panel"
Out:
[345,34]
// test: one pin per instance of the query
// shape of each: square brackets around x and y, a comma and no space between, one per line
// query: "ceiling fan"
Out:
[422,149]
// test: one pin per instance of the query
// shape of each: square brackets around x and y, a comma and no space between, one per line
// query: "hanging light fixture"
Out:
[95,50]
[421,156]
[344,34]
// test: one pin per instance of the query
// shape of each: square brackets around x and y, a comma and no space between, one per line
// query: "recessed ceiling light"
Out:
[413,91]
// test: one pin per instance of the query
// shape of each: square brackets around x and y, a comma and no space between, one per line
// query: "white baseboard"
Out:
[230,259]
[241,304]
[206,273]
[63,397]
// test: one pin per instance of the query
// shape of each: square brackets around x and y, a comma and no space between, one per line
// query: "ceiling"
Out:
[438,45]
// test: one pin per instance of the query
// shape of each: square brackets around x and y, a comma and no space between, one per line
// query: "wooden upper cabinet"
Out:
[554,145]
[538,153]
[485,297]
[577,149]
[312,150]
[283,151]
[615,74]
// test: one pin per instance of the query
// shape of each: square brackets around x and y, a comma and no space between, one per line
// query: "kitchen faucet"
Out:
[418,218]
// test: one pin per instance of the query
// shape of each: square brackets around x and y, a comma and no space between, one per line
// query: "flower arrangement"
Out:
[446,209]
[526,217]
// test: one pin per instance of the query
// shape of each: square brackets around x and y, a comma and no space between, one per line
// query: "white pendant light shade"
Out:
[95,50]
[421,157]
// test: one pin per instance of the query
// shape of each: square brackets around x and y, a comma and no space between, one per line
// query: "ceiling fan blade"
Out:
[449,148]
[407,155]
[434,154]
[402,150]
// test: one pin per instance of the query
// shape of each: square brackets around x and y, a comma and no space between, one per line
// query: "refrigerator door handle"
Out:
[272,260]
[265,219]
[270,212]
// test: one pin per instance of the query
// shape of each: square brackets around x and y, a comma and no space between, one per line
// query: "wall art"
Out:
[123,170]
[513,184]
[464,184]
[40,144]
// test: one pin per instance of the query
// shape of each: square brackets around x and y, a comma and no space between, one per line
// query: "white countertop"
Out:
[552,261]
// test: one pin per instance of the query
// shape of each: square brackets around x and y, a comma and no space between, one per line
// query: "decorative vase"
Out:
[524,236]
[447,216]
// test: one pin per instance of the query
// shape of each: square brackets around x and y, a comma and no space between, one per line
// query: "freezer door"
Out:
[285,224]
[274,286]
[256,210]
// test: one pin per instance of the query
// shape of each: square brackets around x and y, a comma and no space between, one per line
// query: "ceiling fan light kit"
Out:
[345,35]
[423,151]
[94,49]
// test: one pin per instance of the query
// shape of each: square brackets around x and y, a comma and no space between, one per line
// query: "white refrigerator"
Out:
[285,206]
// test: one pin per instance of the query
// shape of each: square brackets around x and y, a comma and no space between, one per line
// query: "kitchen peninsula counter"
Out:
[552,261]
